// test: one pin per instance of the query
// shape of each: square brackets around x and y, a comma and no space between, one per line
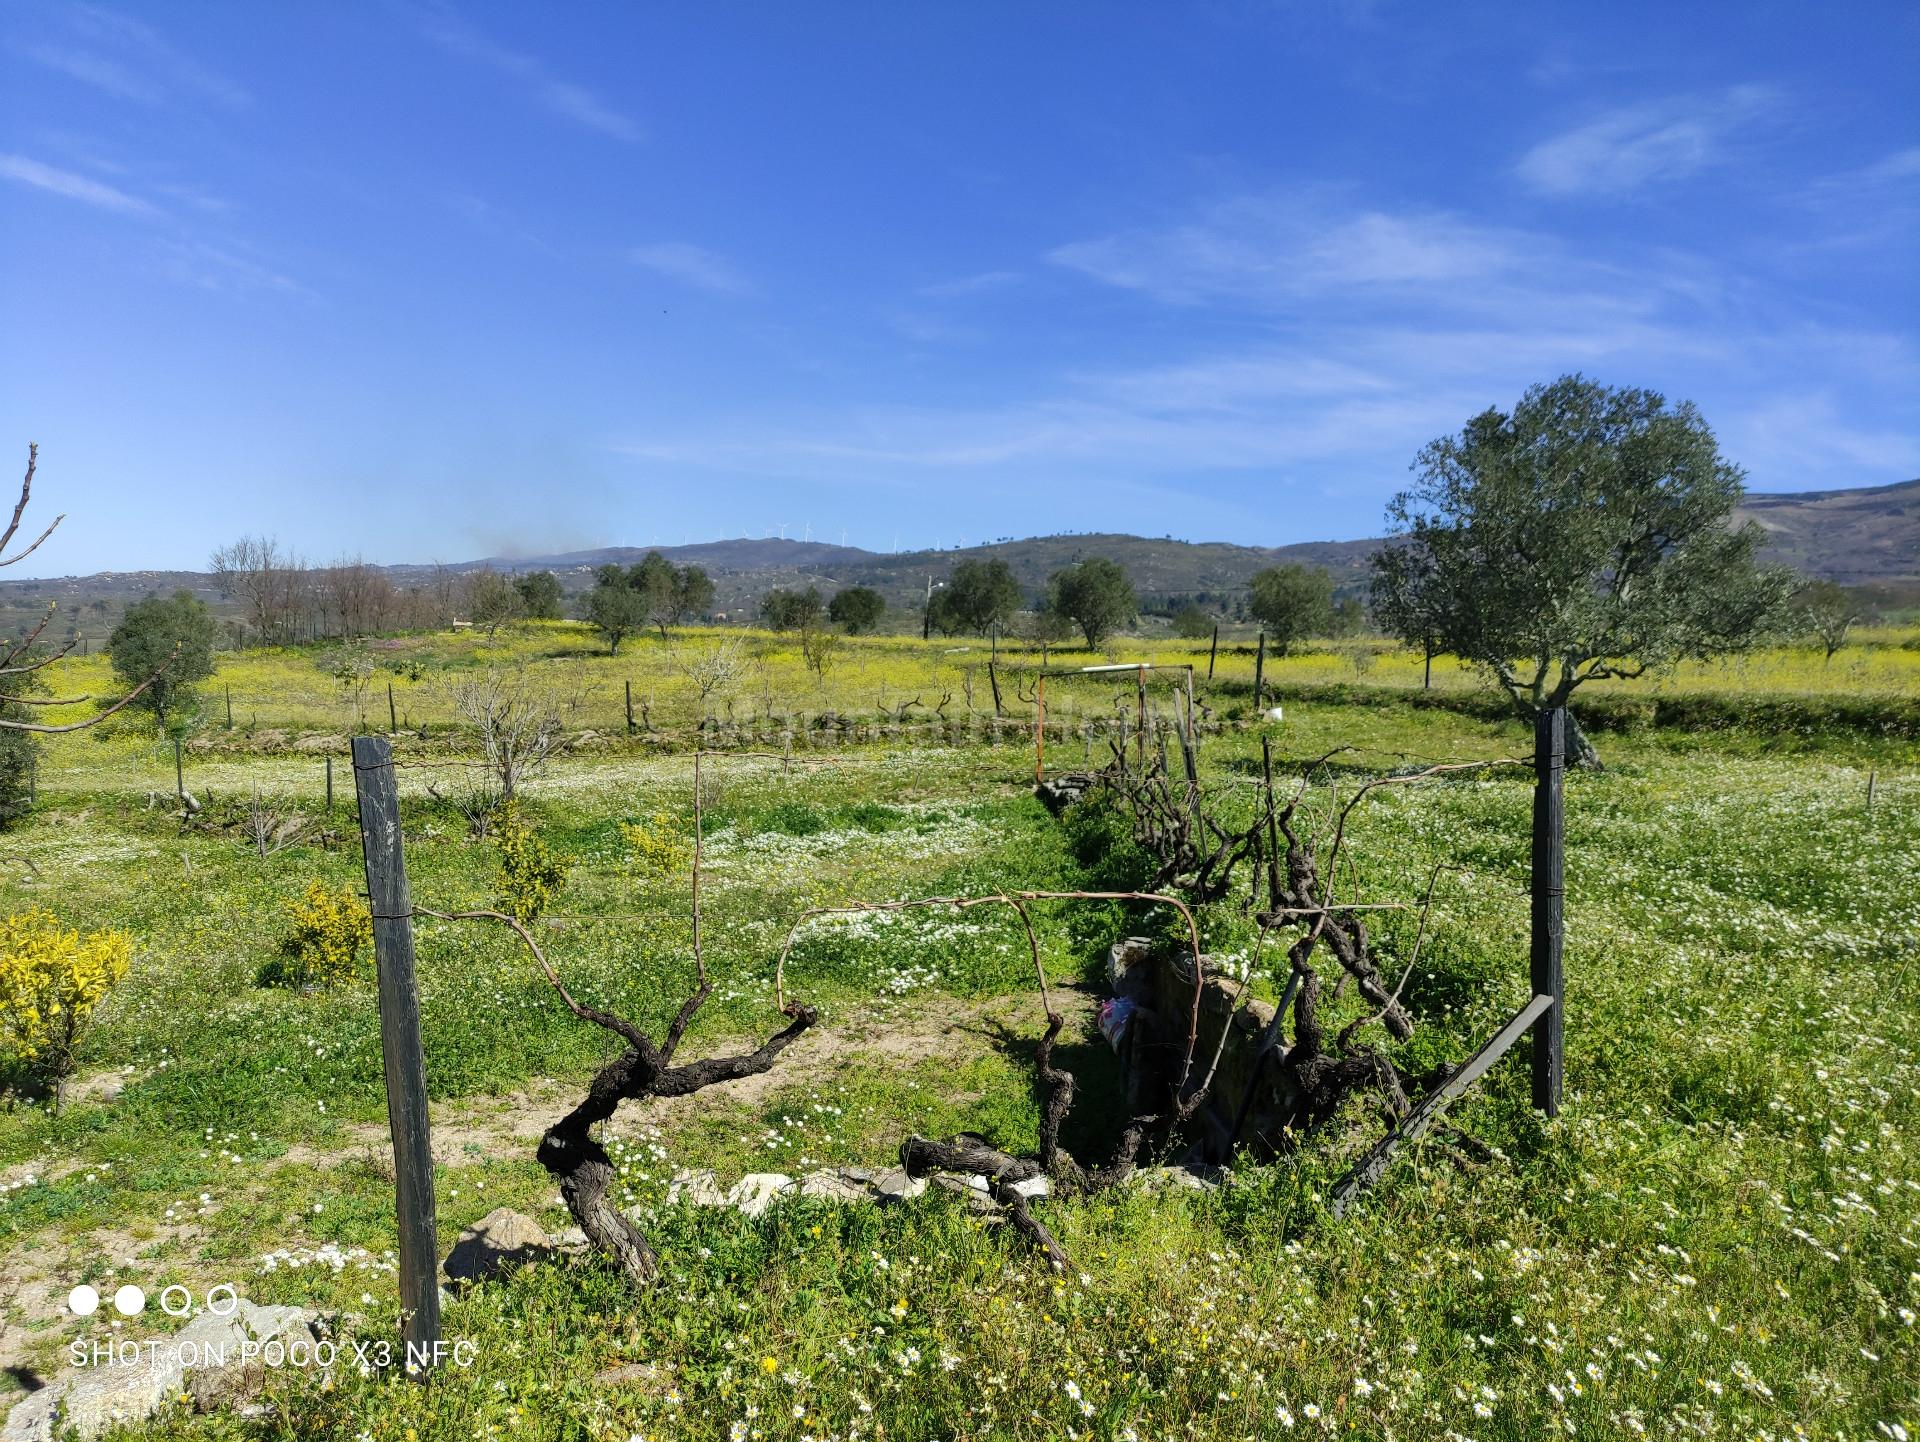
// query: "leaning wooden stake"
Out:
[1259,670]
[1213,650]
[1379,1157]
[391,903]
[1549,886]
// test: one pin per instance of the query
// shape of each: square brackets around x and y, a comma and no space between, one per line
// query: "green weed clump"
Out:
[531,871]
[655,845]
[322,949]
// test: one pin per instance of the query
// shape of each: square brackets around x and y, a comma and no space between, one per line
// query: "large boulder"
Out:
[213,1361]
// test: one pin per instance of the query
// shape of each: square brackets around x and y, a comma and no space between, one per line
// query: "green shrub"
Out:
[531,872]
[323,949]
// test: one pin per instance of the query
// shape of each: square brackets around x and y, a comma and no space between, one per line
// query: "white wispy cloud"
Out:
[225,268]
[563,97]
[1284,246]
[690,265]
[980,284]
[1332,339]
[1638,146]
[74,187]
[1902,165]
[100,71]
[130,60]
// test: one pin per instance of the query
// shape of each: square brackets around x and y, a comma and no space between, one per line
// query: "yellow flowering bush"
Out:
[323,949]
[531,875]
[51,979]
[655,846]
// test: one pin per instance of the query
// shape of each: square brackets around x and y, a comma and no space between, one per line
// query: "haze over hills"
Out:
[1867,537]
[1863,536]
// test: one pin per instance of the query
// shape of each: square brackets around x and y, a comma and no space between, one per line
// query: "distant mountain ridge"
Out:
[1868,536]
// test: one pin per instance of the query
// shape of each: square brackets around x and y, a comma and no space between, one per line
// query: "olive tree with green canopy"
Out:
[1096,595]
[1586,536]
[167,638]
[1292,602]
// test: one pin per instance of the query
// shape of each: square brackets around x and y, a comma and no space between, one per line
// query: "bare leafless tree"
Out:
[359,596]
[270,582]
[820,648]
[518,722]
[268,831]
[714,667]
[20,662]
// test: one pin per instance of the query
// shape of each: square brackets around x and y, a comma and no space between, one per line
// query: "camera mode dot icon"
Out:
[129,1301]
[83,1301]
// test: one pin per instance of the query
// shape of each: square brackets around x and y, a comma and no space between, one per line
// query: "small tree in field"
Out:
[857,609]
[714,667]
[785,610]
[1827,613]
[1293,602]
[517,721]
[1586,535]
[981,595]
[179,627]
[1190,623]
[492,600]
[1095,595]
[539,595]
[613,607]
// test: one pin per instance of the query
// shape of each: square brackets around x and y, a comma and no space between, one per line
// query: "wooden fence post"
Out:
[393,717]
[1549,922]
[629,708]
[391,903]
[1259,670]
[1140,683]
[1213,650]
[1040,729]
[179,778]
[329,786]
[229,708]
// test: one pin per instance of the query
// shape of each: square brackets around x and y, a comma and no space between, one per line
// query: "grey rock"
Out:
[208,1360]
[496,1244]
[836,1187]
[695,1189]
[894,1185]
[755,1192]
[1172,1179]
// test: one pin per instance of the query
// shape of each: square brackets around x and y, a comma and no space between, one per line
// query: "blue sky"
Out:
[418,281]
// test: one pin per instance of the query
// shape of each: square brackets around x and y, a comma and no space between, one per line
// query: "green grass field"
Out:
[1720,1236]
